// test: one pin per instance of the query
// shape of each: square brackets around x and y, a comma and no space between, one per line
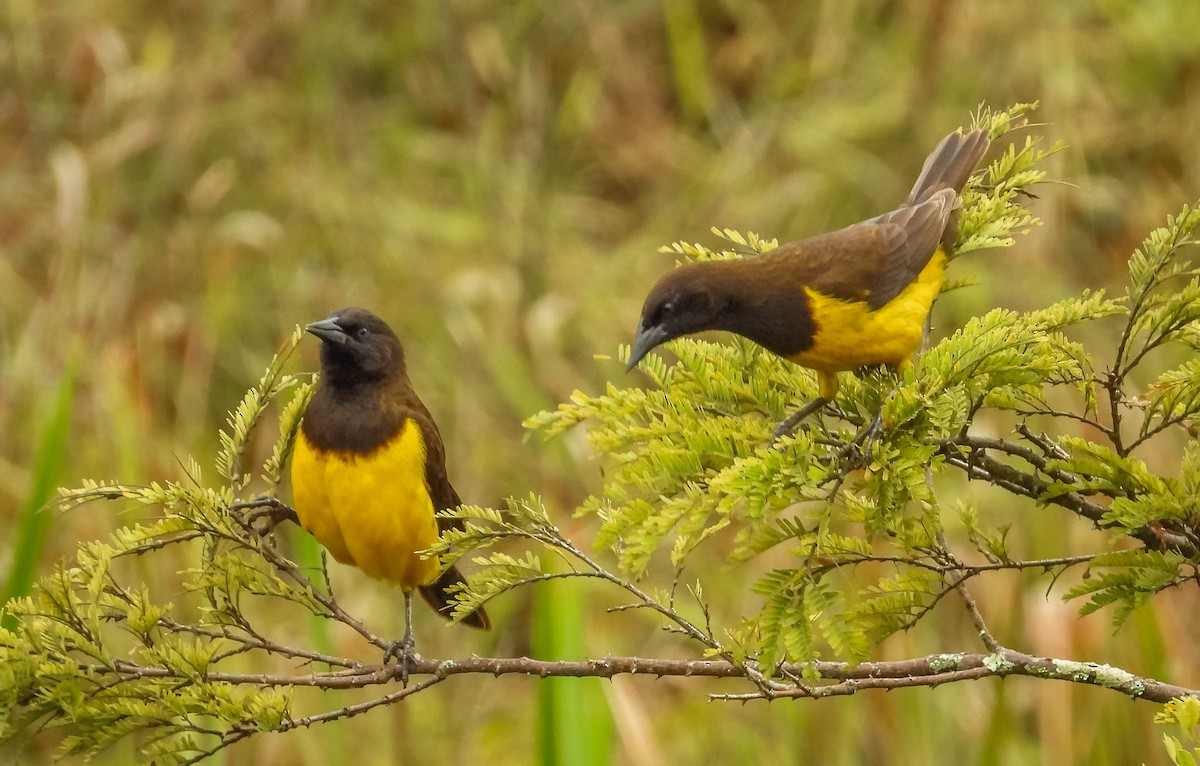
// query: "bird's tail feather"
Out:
[437,595]
[950,164]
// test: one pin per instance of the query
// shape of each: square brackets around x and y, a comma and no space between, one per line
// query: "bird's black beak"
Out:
[647,338]
[328,330]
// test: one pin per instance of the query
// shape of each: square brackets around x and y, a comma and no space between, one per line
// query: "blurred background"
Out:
[182,183]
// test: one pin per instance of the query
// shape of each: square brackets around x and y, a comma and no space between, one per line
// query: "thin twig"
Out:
[968,600]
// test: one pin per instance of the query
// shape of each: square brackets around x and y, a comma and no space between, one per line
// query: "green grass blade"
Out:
[47,466]
[689,60]
[574,723]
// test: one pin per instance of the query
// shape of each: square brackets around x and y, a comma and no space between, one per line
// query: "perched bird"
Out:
[851,298]
[369,468]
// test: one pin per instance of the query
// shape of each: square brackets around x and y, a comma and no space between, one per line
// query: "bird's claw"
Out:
[870,433]
[864,440]
[404,654]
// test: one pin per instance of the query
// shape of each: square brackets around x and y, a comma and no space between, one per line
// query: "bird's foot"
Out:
[264,513]
[404,653]
[864,440]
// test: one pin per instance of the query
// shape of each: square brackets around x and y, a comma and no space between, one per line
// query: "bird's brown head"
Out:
[357,348]
[749,297]
[689,299]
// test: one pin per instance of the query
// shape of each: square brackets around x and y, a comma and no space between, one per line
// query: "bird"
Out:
[856,297]
[369,467]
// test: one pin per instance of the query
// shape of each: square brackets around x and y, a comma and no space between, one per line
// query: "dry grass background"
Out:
[181,183]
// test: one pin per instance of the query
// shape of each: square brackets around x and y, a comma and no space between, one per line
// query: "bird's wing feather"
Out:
[441,491]
[871,261]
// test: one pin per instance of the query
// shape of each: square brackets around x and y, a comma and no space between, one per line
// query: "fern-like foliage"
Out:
[83,643]
[1184,713]
[993,213]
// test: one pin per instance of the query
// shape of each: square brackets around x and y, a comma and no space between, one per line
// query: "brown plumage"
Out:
[854,297]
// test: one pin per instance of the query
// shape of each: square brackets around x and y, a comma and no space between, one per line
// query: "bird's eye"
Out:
[362,332]
[669,307]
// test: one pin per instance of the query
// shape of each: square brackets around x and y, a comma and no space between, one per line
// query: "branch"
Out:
[930,671]
[979,465]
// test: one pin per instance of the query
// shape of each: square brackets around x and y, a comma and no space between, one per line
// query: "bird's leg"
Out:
[870,433]
[402,650]
[828,384]
[789,425]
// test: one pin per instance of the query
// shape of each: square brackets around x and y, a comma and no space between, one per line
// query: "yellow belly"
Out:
[371,511]
[850,335]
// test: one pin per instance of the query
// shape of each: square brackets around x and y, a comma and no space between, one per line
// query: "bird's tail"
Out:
[437,595]
[950,164]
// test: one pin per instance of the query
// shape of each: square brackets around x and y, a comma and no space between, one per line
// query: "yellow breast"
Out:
[850,334]
[372,511]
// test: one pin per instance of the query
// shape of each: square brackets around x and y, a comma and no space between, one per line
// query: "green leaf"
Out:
[30,535]
[1129,580]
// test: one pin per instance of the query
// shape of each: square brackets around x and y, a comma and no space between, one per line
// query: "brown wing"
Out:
[875,260]
[402,403]
[872,261]
[441,491]
[438,593]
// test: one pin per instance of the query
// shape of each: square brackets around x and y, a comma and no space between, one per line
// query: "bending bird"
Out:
[854,297]
[369,467]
